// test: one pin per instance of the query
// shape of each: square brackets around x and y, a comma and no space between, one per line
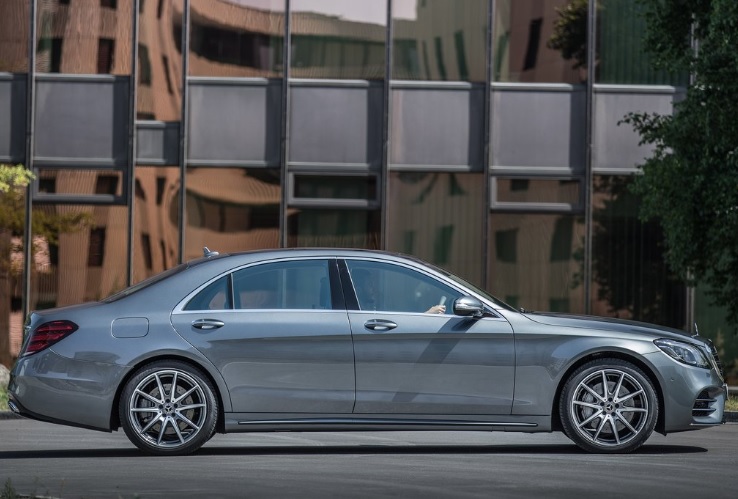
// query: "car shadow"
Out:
[348,450]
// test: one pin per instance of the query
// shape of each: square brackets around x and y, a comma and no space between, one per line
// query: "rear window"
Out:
[146,283]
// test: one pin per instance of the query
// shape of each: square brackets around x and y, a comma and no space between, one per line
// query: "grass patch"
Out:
[732,403]
[3,398]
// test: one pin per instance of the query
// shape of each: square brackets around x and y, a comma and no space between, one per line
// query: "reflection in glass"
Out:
[156,224]
[238,38]
[231,209]
[523,190]
[14,15]
[713,323]
[335,187]
[79,254]
[159,90]
[12,230]
[621,58]
[341,40]
[439,40]
[536,261]
[438,217]
[84,37]
[332,228]
[80,182]
[630,278]
[540,41]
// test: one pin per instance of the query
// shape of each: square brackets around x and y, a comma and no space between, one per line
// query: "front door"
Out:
[414,356]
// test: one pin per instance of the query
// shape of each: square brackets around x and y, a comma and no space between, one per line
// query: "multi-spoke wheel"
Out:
[169,408]
[608,405]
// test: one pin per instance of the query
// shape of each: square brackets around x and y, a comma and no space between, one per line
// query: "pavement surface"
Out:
[57,461]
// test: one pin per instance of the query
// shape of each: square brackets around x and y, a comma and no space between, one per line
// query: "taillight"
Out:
[47,334]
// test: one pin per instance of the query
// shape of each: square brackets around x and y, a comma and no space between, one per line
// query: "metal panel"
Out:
[234,122]
[81,120]
[538,126]
[157,143]
[13,120]
[336,122]
[437,125]
[616,146]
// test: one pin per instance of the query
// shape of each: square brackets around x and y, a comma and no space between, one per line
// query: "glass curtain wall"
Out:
[337,66]
[239,44]
[442,202]
[14,25]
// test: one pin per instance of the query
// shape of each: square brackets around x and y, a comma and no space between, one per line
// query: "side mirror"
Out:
[468,306]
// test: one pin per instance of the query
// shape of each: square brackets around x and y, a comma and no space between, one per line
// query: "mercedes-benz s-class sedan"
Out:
[340,340]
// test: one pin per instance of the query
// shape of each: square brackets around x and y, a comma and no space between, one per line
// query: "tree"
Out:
[690,183]
[46,224]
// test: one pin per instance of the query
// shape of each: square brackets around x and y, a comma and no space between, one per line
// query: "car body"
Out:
[339,340]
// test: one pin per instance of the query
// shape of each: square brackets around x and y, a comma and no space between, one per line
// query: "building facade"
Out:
[481,135]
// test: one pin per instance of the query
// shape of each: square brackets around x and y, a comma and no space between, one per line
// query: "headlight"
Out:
[685,353]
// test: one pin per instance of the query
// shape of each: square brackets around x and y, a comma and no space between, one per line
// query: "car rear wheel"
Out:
[168,408]
[608,406]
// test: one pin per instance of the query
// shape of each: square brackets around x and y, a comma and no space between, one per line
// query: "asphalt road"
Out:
[57,461]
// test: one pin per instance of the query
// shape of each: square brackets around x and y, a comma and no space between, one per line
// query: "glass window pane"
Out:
[536,261]
[12,229]
[84,37]
[523,190]
[333,228]
[393,288]
[713,323]
[156,224]
[232,209]
[335,187]
[341,40]
[439,40]
[630,278]
[79,254]
[14,19]
[217,296]
[438,217]
[283,285]
[159,83]
[238,38]
[540,41]
[621,58]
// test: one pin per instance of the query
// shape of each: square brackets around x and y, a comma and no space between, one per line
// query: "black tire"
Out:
[617,420]
[160,424]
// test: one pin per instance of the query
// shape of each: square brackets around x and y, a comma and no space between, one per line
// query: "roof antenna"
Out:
[207,253]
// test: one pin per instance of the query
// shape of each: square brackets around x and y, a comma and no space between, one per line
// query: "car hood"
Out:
[606,324]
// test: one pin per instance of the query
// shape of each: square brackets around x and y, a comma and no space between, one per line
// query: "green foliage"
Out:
[3,398]
[690,183]
[46,223]
[570,32]
[14,177]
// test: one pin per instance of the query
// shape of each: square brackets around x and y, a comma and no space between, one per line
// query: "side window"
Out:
[283,285]
[214,297]
[394,288]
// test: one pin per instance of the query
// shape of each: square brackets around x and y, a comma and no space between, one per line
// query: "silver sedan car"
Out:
[340,340]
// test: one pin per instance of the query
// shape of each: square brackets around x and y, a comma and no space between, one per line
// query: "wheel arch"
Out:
[647,370]
[115,419]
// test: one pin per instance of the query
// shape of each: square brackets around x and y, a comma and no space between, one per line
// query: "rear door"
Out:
[279,334]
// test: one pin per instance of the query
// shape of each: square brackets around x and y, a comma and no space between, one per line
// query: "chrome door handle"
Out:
[207,324]
[379,325]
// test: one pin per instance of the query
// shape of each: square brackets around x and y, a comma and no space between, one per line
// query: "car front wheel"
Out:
[608,406]
[168,408]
